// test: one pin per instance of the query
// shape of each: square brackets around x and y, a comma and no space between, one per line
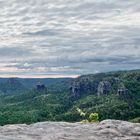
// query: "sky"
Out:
[66,38]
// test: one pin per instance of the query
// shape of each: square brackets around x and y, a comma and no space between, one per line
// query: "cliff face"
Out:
[106,130]
[104,83]
[104,87]
[83,85]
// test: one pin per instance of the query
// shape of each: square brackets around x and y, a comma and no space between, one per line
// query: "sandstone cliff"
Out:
[103,84]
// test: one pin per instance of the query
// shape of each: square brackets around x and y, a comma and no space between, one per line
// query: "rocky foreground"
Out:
[105,130]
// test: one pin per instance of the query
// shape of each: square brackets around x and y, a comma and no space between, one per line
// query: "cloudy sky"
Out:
[55,38]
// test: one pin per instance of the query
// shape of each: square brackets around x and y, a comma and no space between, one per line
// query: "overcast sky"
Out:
[55,38]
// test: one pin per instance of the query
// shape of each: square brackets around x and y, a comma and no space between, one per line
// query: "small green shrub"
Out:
[93,117]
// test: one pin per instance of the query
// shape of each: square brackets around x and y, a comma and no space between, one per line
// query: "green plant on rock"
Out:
[82,114]
[93,117]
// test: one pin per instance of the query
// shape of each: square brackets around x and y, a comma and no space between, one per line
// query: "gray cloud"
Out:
[14,52]
[50,37]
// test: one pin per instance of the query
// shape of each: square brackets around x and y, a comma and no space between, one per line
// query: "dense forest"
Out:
[113,95]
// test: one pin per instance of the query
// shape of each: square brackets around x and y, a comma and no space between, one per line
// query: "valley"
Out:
[113,95]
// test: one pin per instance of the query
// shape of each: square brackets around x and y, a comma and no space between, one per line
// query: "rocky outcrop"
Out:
[122,91]
[105,130]
[99,85]
[83,85]
[104,88]
[40,87]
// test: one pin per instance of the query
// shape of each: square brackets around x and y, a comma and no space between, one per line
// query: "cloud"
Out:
[14,52]
[58,38]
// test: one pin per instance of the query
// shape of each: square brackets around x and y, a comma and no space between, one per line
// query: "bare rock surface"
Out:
[105,130]
[104,88]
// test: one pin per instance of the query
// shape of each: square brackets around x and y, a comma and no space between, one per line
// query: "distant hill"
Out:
[11,85]
[14,85]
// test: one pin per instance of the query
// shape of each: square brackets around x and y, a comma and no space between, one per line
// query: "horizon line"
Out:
[60,76]
[39,77]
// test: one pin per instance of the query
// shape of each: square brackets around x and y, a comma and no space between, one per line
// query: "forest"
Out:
[23,104]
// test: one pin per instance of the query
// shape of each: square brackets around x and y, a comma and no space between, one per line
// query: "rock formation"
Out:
[104,88]
[123,91]
[83,85]
[105,130]
[98,86]
[40,87]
